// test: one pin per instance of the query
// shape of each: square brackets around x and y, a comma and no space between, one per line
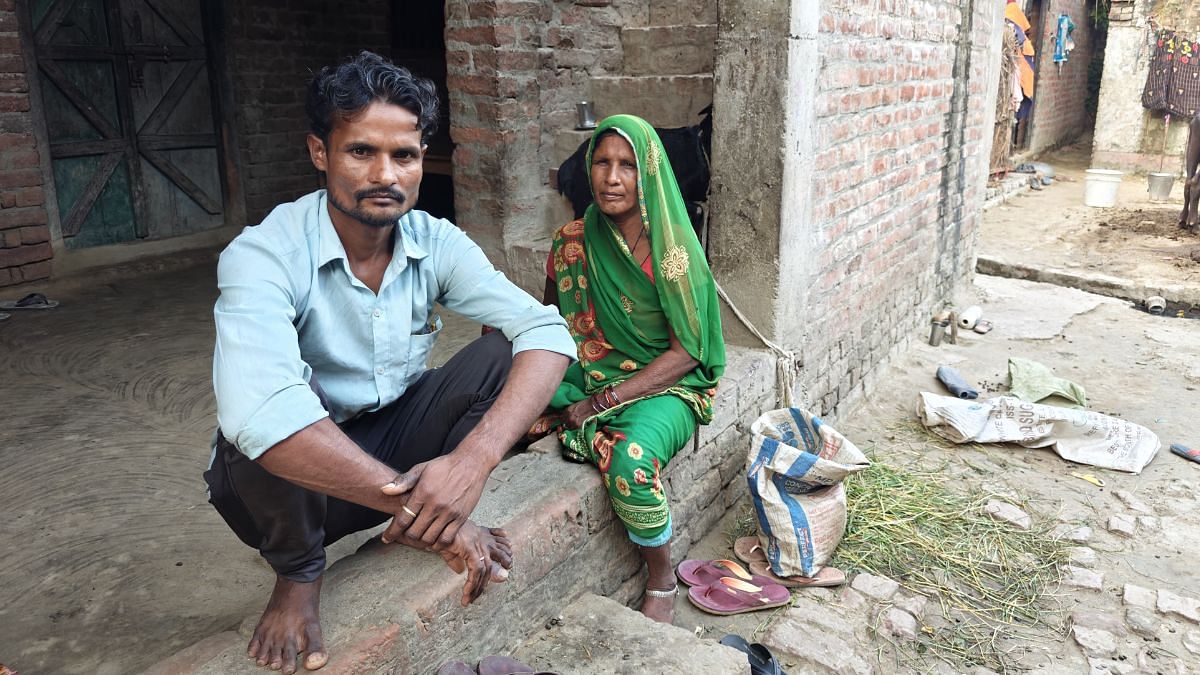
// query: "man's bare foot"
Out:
[659,608]
[290,626]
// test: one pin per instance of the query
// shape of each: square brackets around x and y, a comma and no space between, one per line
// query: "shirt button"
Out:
[378,313]
[379,370]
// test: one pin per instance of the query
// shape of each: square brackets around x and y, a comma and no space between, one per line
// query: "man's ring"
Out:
[408,511]
[482,558]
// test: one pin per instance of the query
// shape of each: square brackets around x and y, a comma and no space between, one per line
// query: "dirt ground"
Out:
[1135,366]
[120,561]
[1137,239]
[113,558]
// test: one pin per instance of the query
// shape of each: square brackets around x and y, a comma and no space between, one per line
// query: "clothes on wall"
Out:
[1063,42]
[1016,20]
[1173,83]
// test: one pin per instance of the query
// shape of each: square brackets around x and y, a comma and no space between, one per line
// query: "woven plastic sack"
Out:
[796,467]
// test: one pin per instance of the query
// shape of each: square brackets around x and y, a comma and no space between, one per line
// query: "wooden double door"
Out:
[127,96]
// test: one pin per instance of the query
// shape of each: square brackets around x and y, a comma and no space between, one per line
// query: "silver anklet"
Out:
[663,594]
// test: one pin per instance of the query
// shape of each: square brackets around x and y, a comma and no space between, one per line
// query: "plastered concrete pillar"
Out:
[764,84]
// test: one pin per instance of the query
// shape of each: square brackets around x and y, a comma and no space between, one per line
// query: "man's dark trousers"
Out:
[291,526]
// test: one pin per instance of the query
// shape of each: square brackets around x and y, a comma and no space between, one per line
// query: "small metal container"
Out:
[586,118]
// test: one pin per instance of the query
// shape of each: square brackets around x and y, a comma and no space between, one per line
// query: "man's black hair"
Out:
[346,89]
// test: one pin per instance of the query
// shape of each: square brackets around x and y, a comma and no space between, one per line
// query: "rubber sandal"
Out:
[748,550]
[1185,452]
[708,572]
[4,316]
[827,576]
[983,326]
[762,661]
[502,665]
[31,301]
[731,596]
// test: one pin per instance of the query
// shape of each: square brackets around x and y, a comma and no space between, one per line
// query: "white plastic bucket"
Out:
[1100,187]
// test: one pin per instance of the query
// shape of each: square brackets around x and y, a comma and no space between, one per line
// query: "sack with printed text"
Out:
[796,467]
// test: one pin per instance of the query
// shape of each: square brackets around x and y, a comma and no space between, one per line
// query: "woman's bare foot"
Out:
[661,578]
[290,626]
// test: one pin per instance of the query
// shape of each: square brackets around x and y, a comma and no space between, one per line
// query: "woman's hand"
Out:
[577,413]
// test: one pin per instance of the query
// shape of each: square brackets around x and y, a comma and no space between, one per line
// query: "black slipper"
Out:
[762,661]
[31,301]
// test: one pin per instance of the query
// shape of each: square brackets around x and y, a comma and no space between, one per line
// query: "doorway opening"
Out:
[419,44]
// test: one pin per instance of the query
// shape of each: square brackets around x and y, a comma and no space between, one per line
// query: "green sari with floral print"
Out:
[622,320]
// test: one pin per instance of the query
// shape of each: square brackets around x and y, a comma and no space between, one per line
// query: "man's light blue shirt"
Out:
[290,309]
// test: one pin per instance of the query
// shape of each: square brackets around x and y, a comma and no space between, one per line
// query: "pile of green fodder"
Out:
[993,580]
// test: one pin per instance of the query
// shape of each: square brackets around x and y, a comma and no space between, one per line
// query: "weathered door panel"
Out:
[173,112]
[129,115]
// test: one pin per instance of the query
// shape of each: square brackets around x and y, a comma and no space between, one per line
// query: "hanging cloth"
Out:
[1013,13]
[1173,83]
[1063,42]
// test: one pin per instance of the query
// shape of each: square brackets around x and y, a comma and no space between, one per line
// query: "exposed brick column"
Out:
[492,74]
[846,194]
[25,250]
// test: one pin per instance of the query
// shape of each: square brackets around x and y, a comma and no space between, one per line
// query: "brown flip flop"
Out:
[733,596]
[827,576]
[502,665]
[748,550]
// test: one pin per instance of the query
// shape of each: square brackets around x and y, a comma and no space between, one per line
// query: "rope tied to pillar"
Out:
[787,363]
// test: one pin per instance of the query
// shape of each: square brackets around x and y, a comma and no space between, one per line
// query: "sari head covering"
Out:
[619,318]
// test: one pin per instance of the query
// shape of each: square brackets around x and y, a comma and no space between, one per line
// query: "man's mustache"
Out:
[390,193]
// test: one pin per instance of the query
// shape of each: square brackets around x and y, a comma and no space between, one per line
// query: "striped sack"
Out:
[796,468]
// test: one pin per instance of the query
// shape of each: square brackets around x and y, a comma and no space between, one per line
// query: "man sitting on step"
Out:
[330,422]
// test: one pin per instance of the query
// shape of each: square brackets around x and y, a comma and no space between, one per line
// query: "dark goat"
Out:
[688,151]
[1189,219]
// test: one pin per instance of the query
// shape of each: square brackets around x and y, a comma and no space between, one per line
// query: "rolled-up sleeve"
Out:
[261,382]
[475,289]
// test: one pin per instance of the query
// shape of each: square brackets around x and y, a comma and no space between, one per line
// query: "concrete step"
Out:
[685,49]
[664,101]
[599,636]
[395,609]
[567,141]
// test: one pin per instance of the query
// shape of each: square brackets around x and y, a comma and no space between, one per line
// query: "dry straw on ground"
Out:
[992,580]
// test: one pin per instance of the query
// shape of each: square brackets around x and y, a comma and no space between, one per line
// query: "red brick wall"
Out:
[516,68]
[25,250]
[1059,116]
[275,46]
[901,164]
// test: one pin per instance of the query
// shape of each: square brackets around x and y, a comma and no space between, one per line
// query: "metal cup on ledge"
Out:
[586,118]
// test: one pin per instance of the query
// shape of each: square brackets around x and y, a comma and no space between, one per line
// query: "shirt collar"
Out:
[330,246]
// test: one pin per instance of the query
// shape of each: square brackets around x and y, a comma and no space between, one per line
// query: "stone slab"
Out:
[1008,513]
[685,49]
[1179,605]
[664,101]
[1095,642]
[1081,556]
[880,588]
[1080,577]
[599,635]
[829,654]
[1137,596]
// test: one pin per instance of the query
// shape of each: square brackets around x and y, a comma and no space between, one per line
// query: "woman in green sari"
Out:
[632,282]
